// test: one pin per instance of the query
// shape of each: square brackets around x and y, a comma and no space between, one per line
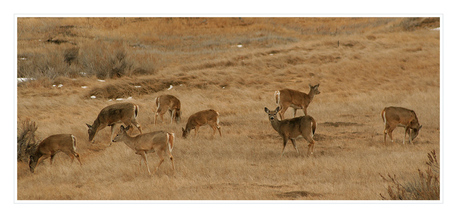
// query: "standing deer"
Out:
[286,98]
[125,113]
[400,117]
[291,129]
[201,118]
[52,145]
[168,103]
[158,141]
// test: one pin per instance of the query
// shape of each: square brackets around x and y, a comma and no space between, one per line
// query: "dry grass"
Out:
[362,64]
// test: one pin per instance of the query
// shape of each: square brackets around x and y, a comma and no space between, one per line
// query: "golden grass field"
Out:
[361,64]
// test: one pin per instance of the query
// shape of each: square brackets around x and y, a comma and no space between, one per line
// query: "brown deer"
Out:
[291,129]
[400,117]
[52,145]
[168,103]
[286,98]
[158,141]
[125,113]
[201,118]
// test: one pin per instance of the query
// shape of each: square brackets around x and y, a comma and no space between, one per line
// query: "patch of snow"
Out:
[129,98]
[93,97]
[137,86]
[437,29]
[119,99]
[60,85]
[25,79]
[101,80]
[170,87]
[84,87]
[240,45]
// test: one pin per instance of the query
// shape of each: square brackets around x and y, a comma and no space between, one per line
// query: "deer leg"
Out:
[196,130]
[142,153]
[305,111]
[40,160]
[51,159]
[295,145]
[282,111]
[385,135]
[159,153]
[311,147]
[78,157]
[295,111]
[155,116]
[220,132]
[172,160]
[171,114]
[390,133]
[284,145]
[408,131]
[112,129]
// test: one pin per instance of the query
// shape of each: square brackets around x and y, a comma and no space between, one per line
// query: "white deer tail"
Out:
[170,140]
[277,97]
[384,118]
[136,111]
[74,143]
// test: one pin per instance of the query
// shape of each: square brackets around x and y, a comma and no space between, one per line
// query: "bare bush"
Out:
[27,140]
[427,187]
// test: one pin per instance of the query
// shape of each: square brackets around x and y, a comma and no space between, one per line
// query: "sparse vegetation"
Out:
[232,65]
[426,187]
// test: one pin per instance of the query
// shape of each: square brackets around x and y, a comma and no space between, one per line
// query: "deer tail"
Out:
[136,110]
[277,97]
[313,126]
[74,143]
[170,140]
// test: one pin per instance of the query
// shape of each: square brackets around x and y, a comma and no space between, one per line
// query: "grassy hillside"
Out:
[232,65]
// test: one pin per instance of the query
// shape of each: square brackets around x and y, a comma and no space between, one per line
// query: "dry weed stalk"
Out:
[27,140]
[427,187]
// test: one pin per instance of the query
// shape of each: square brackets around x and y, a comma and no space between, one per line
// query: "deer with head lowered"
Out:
[400,117]
[125,113]
[290,129]
[168,103]
[286,98]
[159,141]
[201,118]
[52,145]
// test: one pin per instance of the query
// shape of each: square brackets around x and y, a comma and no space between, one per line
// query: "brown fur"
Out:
[201,118]
[286,98]
[168,103]
[398,116]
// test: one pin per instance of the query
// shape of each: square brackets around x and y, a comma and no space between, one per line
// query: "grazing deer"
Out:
[400,117]
[286,98]
[291,129]
[125,113]
[66,143]
[158,141]
[201,118]
[167,103]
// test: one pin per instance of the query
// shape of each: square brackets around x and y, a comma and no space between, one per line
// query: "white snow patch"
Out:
[25,79]
[93,97]
[240,45]
[84,87]
[101,80]
[137,86]
[170,87]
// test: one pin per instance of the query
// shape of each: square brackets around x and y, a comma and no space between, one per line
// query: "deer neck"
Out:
[129,141]
[311,94]
[276,124]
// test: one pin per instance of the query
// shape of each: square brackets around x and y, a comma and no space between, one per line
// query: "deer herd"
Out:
[162,142]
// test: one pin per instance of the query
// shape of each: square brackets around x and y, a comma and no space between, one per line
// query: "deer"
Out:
[400,117]
[52,145]
[159,141]
[201,118]
[168,103]
[291,129]
[286,98]
[125,113]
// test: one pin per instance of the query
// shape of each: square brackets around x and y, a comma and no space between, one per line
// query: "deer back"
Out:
[292,128]
[202,117]
[58,142]
[400,116]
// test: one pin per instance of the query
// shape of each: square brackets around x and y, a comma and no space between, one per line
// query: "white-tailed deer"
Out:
[286,98]
[400,117]
[290,129]
[125,113]
[158,141]
[201,118]
[168,103]
[52,145]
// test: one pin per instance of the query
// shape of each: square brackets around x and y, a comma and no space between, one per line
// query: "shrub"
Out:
[426,187]
[27,141]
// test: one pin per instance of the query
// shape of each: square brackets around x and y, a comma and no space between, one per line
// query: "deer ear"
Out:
[266,110]
[89,126]
[420,127]
[183,130]
[277,109]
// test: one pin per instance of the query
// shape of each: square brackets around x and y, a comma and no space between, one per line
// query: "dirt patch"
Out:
[297,195]
[339,124]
